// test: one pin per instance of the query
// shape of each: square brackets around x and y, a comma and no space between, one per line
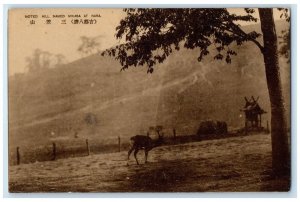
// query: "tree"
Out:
[285,44]
[41,60]
[89,45]
[286,36]
[280,148]
[60,59]
[34,62]
[151,35]
[45,59]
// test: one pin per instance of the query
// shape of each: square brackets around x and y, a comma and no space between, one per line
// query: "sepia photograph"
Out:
[147,100]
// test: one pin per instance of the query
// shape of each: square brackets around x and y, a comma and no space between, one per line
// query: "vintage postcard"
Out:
[149,100]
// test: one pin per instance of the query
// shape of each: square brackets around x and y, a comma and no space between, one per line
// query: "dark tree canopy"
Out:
[152,34]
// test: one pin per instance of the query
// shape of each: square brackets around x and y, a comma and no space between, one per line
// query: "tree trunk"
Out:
[280,147]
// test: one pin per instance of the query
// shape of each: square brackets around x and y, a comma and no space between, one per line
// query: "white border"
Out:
[154,3]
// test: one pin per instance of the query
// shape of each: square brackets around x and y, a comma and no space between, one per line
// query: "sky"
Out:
[57,38]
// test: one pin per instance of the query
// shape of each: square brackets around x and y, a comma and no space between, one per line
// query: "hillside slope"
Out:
[91,98]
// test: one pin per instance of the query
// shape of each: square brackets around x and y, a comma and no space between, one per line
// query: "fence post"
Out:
[87,147]
[246,127]
[174,133]
[119,143]
[18,156]
[53,151]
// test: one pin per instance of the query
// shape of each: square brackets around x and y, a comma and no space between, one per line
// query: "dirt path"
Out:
[232,164]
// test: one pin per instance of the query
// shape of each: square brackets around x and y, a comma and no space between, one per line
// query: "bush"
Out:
[212,127]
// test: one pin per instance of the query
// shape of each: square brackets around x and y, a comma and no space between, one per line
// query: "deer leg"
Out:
[146,155]
[135,152]
[129,152]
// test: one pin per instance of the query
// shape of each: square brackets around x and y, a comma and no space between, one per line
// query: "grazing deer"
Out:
[140,142]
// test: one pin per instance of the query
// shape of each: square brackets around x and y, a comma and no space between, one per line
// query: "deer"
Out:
[139,142]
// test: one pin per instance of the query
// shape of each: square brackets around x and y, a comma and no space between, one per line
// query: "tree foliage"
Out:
[285,42]
[41,60]
[89,45]
[285,38]
[151,35]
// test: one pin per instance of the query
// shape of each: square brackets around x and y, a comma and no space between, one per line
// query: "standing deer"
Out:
[140,142]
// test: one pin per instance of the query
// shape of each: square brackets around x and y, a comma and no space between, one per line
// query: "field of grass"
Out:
[235,164]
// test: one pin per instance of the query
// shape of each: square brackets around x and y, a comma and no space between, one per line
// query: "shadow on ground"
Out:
[174,176]
[161,178]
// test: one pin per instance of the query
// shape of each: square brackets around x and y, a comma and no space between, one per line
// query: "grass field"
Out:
[235,164]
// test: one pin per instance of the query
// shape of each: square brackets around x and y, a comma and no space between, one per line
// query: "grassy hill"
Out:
[91,98]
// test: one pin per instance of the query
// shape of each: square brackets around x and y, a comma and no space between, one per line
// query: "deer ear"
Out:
[253,98]
[246,99]
[257,98]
